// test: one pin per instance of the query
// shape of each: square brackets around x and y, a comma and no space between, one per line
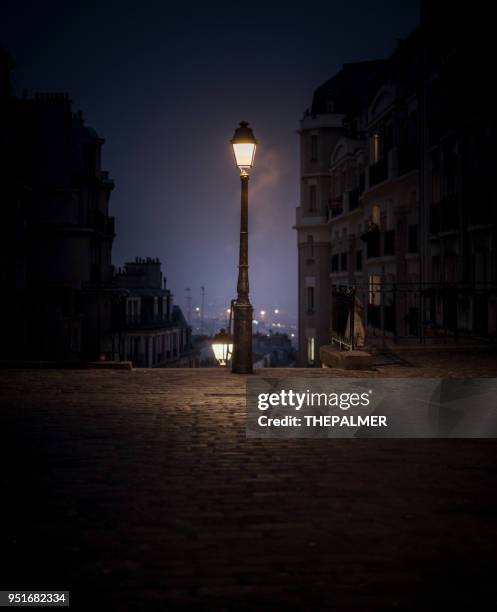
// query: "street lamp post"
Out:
[244,145]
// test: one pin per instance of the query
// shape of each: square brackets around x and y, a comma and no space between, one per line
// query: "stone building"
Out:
[397,218]
[321,129]
[459,157]
[56,232]
[148,329]
[373,218]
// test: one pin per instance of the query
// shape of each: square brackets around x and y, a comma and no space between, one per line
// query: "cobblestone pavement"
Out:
[139,491]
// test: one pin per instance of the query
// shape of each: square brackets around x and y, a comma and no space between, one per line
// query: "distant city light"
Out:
[255,322]
[276,311]
[263,312]
[292,335]
[228,310]
[197,309]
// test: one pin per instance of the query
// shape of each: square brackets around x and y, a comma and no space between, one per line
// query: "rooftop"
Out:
[345,90]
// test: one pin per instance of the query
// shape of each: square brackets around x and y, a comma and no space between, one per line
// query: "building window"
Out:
[312,198]
[310,299]
[310,247]
[358,261]
[343,262]
[136,347]
[132,310]
[374,290]
[389,242]
[375,148]
[412,239]
[314,148]
[376,215]
[310,351]
[156,307]
[373,243]
[335,263]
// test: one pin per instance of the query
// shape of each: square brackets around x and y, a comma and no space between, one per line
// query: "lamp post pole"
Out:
[244,146]
[242,308]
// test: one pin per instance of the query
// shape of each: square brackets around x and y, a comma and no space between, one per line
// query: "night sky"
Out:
[166,84]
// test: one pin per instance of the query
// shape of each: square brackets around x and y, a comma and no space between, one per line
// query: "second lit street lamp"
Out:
[244,145]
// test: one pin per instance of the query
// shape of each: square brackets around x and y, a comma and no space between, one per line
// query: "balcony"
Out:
[304,218]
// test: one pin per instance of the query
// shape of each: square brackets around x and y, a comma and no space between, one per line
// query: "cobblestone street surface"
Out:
[137,490]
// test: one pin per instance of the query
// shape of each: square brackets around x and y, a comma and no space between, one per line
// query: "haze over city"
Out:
[166,85]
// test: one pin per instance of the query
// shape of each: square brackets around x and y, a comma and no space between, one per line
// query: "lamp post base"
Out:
[241,362]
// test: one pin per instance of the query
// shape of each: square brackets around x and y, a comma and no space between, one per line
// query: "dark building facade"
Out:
[56,232]
[458,196]
[149,330]
[397,224]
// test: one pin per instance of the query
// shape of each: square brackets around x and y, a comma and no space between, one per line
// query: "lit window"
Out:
[310,351]
[376,214]
[374,289]
[375,147]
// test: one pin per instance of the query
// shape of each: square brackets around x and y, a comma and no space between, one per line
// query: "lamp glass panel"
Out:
[244,154]
[222,351]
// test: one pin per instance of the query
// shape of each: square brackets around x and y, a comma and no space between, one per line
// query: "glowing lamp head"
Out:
[222,345]
[244,145]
